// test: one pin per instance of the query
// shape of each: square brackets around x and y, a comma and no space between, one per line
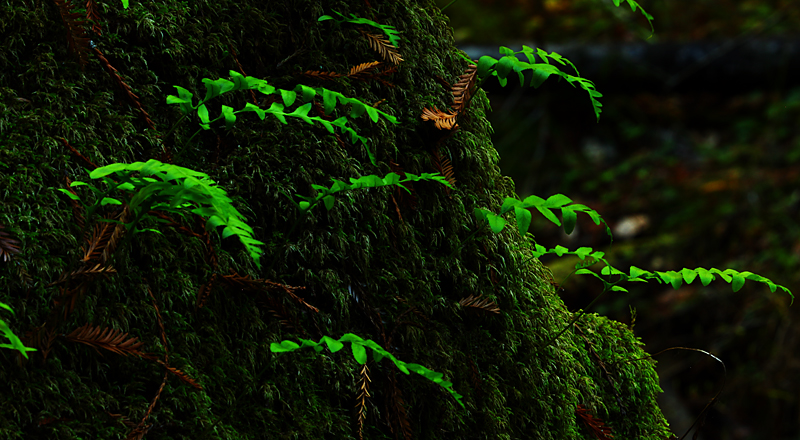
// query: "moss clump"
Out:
[385,267]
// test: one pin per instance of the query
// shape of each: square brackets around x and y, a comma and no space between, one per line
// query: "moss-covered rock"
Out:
[380,264]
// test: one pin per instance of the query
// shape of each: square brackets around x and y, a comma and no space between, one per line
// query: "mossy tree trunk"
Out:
[382,264]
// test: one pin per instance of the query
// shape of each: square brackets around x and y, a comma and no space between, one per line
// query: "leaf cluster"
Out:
[214,88]
[359,347]
[326,195]
[390,31]
[171,188]
[569,213]
[509,63]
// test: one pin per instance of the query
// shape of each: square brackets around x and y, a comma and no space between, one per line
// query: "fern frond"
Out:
[445,168]
[217,87]
[442,120]
[180,375]
[359,346]
[384,47]
[93,15]
[673,278]
[479,303]
[464,88]
[327,76]
[596,425]
[390,31]
[361,71]
[327,195]
[568,209]
[508,63]
[109,339]
[259,285]
[172,188]
[361,400]
[16,342]
[634,5]
[116,236]
[84,273]
[8,245]
[102,234]
[76,35]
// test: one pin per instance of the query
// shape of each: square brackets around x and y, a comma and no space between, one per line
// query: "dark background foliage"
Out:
[700,173]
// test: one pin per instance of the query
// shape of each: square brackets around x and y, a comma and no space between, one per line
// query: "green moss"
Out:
[367,270]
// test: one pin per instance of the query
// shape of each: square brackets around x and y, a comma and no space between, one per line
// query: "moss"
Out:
[369,271]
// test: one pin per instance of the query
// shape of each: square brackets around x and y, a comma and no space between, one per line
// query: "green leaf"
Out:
[230,117]
[283,347]
[359,352]
[202,112]
[485,64]
[109,201]
[69,194]
[523,219]
[496,223]
[569,217]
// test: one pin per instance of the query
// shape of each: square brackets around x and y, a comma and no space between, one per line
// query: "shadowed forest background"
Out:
[695,162]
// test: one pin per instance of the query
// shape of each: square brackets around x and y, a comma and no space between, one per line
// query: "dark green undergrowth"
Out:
[380,264]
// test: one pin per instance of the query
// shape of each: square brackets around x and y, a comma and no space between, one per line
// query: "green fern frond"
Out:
[326,195]
[16,343]
[508,63]
[634,5]
[171,188]
[523,217]
[359,346]
[390,31]
[673,278]
[217,87]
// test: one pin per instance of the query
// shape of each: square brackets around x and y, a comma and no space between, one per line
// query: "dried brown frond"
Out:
[445,168]
[108,339]
[126,89]
[77,153]
[327,76]
[100,238]
[464,88]
[116,235]
[361,400]
[8,245]
[363,70]
[93,15]
[385,49]
[41,338]
[181,375]
[442,120]
[247,283]
[596,425]
[85,273]
[76,35]
[478,303]
[142,428]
